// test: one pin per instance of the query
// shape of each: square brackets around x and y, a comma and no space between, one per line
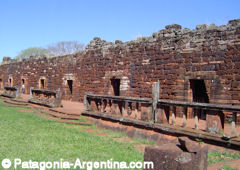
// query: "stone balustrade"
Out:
[10,92]
[129,107]
[142,109]
[160,114]
[45,97]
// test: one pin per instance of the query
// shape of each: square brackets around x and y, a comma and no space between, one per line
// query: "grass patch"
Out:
[27,136]
[111,135]
[217,156]
[227,167]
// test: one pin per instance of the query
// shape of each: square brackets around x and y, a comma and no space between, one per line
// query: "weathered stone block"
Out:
[214,124]
[189,145]
[170,156]
[145,112]
[162,114]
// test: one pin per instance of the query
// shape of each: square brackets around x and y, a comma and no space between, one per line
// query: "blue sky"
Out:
[38,23]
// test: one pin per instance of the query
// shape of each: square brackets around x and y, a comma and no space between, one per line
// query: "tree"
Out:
[57,49]
[35,51]
[65,47]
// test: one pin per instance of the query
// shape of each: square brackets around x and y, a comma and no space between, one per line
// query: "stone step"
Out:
[19,101]
[65,113]
[61,116]
[74,122]
[65,120]
[15,103]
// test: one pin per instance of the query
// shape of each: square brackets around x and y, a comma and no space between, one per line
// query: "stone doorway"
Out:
[199,94]
[70,86]
[10,82]
[23,85]
[115,87]
[42,83]
[1,84]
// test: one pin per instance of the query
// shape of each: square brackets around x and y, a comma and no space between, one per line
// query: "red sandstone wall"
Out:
[173,56]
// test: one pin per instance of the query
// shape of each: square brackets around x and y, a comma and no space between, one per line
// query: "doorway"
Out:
[115,83]
[23,86]
[42,83]
[70,86]
[199,94]
[10,82]
[1,84]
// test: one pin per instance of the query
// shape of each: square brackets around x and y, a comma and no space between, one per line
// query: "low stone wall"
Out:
[45,97]
[11,92]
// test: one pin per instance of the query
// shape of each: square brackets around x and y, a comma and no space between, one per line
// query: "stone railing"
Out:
[213,111]
[11,92]
[161,115]
[45,97]
[130,107]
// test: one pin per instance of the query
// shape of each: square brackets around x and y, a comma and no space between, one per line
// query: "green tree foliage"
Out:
[57,49]
[35,52]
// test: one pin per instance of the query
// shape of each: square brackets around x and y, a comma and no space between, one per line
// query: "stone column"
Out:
[31,94]
[155,97]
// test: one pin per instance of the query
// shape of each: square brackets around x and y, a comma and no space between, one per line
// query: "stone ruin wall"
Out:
[173,56]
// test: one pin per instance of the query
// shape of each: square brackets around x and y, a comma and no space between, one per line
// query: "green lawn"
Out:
[31,137]
[27,136]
